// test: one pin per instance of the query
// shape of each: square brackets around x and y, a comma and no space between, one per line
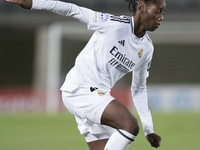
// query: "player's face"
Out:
[153,15]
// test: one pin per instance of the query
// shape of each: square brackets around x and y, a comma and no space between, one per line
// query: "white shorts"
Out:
[88,105]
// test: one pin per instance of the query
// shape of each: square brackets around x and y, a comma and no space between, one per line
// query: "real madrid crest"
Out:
[101,93]
[140,53]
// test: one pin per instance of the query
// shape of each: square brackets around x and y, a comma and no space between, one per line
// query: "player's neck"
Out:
[139,30]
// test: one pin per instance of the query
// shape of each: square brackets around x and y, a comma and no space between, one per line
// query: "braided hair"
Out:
[133,4]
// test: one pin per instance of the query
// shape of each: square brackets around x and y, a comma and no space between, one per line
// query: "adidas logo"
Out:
[92,89]
[122,42]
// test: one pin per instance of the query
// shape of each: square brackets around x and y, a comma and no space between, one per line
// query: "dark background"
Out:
[172,63]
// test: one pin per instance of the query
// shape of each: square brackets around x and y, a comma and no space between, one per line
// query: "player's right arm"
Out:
[27,4]
[95,20]
[58,7]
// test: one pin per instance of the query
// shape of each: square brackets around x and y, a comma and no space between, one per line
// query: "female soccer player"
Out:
[120,44]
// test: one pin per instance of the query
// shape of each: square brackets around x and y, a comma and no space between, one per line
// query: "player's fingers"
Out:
[156,143]
[14,1]
[27,4]
[159,141]
[154,140]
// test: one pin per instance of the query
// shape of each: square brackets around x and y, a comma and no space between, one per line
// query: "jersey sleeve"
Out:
[139,94]
[63,8]
[94,20]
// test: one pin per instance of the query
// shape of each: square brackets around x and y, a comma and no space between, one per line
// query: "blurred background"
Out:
[38,48]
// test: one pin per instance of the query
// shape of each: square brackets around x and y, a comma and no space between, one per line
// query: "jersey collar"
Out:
[132,30]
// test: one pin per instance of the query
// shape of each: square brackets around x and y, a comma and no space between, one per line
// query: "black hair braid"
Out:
[132,5]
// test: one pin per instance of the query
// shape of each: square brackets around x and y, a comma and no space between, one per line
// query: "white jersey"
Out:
[112,51]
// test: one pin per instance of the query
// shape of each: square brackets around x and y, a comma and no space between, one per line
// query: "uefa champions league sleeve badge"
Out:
[104,17]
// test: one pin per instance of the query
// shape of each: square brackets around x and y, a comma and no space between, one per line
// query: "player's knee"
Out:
[137,129]
[133,127]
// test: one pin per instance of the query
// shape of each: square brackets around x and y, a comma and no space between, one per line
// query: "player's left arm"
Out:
[139,93]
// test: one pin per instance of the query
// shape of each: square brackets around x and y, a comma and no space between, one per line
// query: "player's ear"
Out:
[141,7]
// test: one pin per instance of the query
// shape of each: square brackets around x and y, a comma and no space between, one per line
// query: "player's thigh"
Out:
[118,116]
[97,145]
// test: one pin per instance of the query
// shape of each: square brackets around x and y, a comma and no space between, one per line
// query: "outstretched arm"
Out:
[27,4]
[58,7]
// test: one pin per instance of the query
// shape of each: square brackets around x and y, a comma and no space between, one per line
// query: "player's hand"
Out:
[154,140]
[27,4]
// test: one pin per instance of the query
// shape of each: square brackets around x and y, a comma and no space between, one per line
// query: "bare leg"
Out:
[97,145]
[118,116]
